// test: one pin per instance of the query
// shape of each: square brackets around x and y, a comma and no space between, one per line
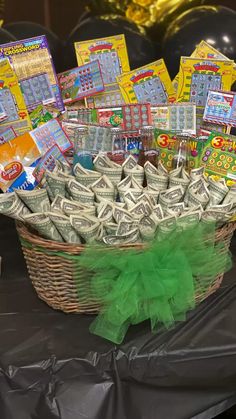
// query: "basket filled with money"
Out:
[84,228]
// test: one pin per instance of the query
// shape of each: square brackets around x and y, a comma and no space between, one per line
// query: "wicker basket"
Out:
[57,275]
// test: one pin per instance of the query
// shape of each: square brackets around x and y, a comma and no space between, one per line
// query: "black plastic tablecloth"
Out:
[51,367]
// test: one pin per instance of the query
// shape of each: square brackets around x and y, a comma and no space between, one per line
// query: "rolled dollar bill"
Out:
[42,223]
[106,213]
[56,205]
[63,225]
[36,200]
[70,207]
[231,196]
[139,210]
[81,221]
[56,184]
[177,208]
[130,237]
[199,196]
[125,227]
[89,234]
[120,214]
[17,210]
[157,213]
[171,196]
[129,163]
[83,197]
[147,227]
[158,181]
[6,201]
[189,219]
[150,168]
[196,174]
[89,178]
[179,177]
[218,191]
[165,226]
[111,228]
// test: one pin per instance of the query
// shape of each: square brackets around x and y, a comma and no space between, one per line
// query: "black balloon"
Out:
[24,30]
[214,24]
[140,49]
[6,36]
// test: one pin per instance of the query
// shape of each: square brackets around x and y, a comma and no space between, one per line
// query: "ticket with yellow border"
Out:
[12,100]
[111,52]
[198,76]
[204,51]
[148,84]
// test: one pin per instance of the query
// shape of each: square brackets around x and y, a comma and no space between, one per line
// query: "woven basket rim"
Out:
[27,234]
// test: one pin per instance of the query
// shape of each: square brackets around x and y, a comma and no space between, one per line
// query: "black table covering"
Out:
[51,367]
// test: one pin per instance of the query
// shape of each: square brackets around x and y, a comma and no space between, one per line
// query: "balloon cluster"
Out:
[176,32]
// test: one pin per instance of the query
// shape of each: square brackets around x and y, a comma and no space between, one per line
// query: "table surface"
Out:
[51,367]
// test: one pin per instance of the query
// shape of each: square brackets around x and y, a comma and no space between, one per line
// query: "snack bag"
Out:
[18,158]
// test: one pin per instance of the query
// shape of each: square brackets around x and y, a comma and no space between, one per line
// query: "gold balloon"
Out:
[145,12]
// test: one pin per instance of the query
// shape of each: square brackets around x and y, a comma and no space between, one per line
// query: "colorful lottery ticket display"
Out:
[80,82]
[111,52]
[221,108]
[32,57]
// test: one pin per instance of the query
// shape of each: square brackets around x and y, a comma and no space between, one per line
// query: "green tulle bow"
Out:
[157,282]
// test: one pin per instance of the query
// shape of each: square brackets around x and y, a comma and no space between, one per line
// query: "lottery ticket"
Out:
[179,117]
[81,82]
[198,76]
[49,134]
[12,100]
[48,162]
[221,108]
[32,57]
[6,135]
[218,156]
[205,51]
[148,84]
[37,90]
[111,52]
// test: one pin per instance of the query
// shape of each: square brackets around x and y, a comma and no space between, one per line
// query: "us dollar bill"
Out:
[129,163]
[56,184]
[217,190]
[42,223]
[158,181]
[83,197]
[36,200]
[56,205]
[106,213]
[17,210]
[128,238]
[231,196]
[63,225]
[189,219]
[120,214]
[125,227]
[6,201]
